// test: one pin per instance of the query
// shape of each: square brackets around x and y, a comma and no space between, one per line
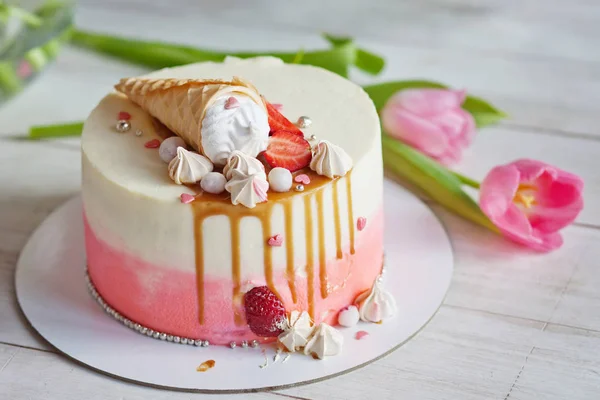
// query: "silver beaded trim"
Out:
[137,327]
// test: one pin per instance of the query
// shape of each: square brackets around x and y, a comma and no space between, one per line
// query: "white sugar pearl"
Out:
[168,148]
[213,182]
[348,317]
[280,179]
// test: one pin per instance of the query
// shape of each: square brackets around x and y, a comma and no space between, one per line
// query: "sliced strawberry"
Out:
[287,150]
[265,313]
[278,122]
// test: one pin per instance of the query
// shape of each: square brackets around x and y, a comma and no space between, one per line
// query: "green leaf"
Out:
[438,183]
[364,60]
[483,112]
[161,55]
[55,131]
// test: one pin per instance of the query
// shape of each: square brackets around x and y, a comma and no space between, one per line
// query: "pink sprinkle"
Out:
[152,144]
[361,223]
[302,178]
[231,102]
[275,241]
[24,69]
[187,198]
[277,106]
[361,334]
[124,115]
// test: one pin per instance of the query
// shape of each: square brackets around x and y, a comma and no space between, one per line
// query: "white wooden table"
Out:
[515,325]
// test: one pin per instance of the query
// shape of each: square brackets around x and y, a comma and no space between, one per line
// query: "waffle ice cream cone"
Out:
[181,104]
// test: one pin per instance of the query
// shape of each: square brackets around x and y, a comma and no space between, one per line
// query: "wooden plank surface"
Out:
[515,324]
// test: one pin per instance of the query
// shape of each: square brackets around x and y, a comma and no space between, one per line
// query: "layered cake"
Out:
[236,202]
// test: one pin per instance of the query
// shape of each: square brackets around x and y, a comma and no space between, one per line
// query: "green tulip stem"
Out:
[55,131]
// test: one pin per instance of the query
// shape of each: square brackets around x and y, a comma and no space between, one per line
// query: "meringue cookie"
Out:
[247,190]
[376,304]
[244,163]
[349,316]
[297,335]
[188,167]
[326,341]
[330,160]
[244,128]
[280,179]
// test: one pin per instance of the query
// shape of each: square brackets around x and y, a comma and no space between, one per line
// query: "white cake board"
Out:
[52,293]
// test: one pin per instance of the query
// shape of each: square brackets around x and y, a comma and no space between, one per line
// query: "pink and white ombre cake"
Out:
[237,202]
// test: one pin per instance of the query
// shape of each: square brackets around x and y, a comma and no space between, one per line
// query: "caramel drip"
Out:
[235,266]
[350,212]
[336,220]
[309,255]
[289,249]
[199,267]
[322,258]
[268,254]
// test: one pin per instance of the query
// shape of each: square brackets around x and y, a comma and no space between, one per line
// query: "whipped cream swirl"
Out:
[188,167]
[326,341]
[244,163]
[299,332]
[376,304]
[330,160]
[244,128]
[247,190]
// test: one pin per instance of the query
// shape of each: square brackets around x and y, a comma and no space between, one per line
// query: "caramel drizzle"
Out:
[336,219]
[322,258]
[199,237]
[289,249]
[268,254]
[309,255]
[207,205]
[235,266]
[350,211]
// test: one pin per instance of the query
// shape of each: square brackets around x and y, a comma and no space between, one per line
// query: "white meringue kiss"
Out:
[326,341]
[244,163]
[188,167]
[376,304]
[244,128]
[330,160]
[298,333]
[247,190]
[349,316]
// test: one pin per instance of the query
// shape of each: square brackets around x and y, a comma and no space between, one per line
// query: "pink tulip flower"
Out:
[430,120]
[530,202]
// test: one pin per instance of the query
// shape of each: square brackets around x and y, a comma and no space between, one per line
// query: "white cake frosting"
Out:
[125,183]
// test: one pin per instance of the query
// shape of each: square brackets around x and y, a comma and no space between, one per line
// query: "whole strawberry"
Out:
[265,313]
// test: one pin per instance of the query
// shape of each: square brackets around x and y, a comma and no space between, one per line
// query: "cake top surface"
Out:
[341,113]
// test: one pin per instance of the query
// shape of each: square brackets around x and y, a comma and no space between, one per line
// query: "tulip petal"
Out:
[558,201]
[498,190]
[531,169]
[515,226]
[429,102]
[451,122]
[415,131]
